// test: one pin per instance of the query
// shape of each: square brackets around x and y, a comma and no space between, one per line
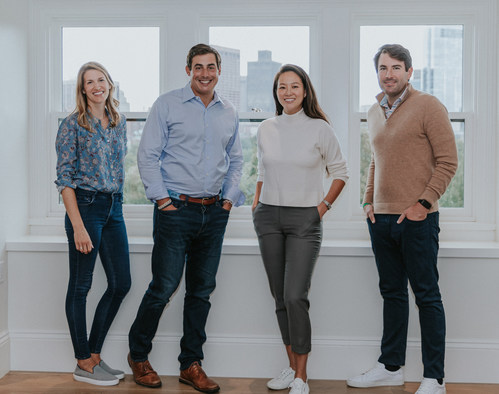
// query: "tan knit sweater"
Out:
[414,153]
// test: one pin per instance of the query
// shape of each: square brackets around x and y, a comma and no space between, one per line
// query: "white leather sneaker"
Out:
[431,386]
[298,386]
[282,381]
[377,376]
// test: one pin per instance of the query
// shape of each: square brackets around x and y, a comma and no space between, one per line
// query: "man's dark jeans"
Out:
[408,251]
[190,236]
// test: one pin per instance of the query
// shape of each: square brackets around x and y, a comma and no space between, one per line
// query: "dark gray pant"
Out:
[290,241]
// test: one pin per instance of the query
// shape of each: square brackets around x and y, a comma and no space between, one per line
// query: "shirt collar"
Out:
[188,94]
[384,100]
[93,119]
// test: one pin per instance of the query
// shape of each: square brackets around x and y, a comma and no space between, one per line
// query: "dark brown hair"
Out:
[310,104]
[202,49]
[395,51]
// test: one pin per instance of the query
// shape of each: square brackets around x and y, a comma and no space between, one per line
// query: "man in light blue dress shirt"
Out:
[190,161]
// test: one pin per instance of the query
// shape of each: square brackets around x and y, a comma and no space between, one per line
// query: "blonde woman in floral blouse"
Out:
[91,148]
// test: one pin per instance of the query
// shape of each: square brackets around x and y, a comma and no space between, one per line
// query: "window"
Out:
[136,79]
[251,56]
[333,40]
[437,56]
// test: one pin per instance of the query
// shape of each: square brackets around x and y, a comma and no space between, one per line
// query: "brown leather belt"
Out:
[202,201]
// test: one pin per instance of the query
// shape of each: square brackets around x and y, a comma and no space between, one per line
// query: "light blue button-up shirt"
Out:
[191,149]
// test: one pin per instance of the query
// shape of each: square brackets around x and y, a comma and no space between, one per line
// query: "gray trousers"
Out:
[290,240]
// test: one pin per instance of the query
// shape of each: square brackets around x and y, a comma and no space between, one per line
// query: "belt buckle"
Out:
[205,199]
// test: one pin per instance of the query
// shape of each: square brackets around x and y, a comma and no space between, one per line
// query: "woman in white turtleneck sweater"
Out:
[296,149]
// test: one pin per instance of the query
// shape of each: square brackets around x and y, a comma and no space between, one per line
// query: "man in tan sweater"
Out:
[414,159]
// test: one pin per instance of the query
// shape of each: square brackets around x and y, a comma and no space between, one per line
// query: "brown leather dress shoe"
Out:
[196,377]
[143,373]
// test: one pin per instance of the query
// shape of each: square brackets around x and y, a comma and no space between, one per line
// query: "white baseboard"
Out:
[331,358]
[4,353]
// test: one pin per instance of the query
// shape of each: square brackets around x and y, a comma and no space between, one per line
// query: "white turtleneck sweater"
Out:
[295,152]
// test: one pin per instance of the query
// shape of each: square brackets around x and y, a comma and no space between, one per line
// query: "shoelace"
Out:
[285,373]
[147,368]
[297,385]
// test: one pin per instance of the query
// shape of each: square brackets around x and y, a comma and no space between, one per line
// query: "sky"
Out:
[130,55]
[289,44]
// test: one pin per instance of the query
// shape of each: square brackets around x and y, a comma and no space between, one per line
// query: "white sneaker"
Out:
[377,376]
[282,381]
[431,386]
[298,386]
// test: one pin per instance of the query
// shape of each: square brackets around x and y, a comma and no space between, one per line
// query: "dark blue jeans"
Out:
[189,237]
[408,251]
[102,216]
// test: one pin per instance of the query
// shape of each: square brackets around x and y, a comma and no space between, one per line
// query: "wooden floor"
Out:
[63,383]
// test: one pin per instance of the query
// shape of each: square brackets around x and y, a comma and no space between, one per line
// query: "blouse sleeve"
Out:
[67,154]
[125,137]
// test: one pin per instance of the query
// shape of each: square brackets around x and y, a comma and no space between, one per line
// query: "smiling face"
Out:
[392,76]
[290,92]
[95,88]
[204,76]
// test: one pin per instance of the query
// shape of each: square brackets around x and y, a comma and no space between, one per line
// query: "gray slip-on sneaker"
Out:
[99,377]
[116,372]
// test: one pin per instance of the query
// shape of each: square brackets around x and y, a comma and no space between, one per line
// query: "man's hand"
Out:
[227,205]
[170,207]
[369,211]
[415,213]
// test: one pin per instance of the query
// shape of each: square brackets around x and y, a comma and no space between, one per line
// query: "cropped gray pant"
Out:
[290,240]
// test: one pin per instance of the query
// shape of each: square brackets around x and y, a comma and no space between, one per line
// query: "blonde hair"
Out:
[81,99]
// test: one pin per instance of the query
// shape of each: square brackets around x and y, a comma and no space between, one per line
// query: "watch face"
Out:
[425,204]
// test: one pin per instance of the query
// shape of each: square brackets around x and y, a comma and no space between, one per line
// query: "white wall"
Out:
[345,301]
[13,146]
[345,310]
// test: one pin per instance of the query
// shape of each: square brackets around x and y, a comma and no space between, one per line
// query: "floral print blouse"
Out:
[91,160]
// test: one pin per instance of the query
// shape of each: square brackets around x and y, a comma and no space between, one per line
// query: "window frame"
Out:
[469,222]
[47,82]
[333,70]
[240,225]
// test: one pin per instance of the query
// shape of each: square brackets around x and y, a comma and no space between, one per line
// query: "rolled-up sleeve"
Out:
[67,155]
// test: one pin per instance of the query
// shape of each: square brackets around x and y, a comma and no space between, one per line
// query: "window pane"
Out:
[437,60]
[247,132]
[365,157]
[130,54]
[133,190]
[454,195]
[251,56]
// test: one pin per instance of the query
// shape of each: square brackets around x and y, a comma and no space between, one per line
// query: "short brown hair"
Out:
[202,49]
[395,51]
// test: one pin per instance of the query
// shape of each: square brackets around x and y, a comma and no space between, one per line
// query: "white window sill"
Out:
[249,246]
